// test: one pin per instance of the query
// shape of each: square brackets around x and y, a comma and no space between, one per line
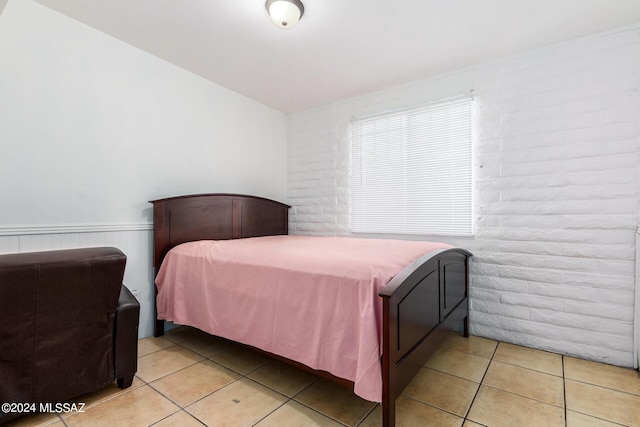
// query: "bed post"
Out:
[465,322]
[388,412]
[158,327]
[158,324]
[388,398]
[465,326]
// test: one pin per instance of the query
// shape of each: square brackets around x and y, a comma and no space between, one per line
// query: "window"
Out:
[411,171]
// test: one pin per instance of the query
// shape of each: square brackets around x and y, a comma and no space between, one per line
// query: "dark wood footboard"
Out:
[421,305]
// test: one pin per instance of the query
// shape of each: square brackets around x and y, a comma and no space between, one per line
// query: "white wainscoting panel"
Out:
[136,241]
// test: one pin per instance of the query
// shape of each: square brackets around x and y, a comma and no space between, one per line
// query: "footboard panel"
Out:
[421,306]
[415,323]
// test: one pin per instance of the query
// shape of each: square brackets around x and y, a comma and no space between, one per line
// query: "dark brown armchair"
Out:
[68,326]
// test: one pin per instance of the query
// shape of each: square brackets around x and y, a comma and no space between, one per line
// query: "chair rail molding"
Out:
[21,230]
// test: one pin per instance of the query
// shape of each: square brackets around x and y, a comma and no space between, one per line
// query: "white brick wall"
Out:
[556,196]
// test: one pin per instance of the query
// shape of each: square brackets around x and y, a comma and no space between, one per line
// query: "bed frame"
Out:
[421,305]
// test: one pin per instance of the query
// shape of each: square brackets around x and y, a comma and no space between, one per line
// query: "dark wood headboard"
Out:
[184,219]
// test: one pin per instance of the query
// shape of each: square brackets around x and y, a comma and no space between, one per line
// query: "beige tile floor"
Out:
[188,378]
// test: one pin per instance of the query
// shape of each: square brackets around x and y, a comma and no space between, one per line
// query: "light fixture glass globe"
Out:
[284,14]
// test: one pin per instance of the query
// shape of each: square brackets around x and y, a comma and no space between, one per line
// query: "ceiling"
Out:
[340,48]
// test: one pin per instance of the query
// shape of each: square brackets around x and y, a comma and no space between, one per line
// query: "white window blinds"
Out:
[411,171]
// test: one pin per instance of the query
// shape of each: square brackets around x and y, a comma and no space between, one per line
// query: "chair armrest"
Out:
[126,337]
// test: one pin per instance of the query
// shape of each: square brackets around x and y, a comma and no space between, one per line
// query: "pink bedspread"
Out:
[310,299]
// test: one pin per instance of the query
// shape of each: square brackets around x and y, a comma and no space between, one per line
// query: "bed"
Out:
[404,315]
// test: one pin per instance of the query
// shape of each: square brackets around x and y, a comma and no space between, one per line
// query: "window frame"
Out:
[455,113]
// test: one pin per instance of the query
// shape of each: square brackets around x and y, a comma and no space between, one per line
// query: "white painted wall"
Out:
[91,129]
[556,189]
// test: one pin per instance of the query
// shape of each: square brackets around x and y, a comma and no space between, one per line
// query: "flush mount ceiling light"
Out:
[285,13]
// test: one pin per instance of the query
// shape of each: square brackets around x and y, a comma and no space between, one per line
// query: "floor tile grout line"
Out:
[246,376]
[564,392]
[171,373]
[368,414]
[453,375]
[105,400]
[530,369]
[434,406]
[464,418]
[316,410]
[173,344]
[240,377]
[492,358]
[289,398]
[317,379]
[181,409]
[601,419]
[272,412]
[603,387]
[326,415]
[157,350]
[466,415]
[293,397]
[204,358]
[524,397]
[184,408]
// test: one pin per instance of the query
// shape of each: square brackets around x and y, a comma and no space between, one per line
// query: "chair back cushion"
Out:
[57,311]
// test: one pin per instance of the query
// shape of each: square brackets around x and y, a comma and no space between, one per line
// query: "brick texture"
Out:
[556,160]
